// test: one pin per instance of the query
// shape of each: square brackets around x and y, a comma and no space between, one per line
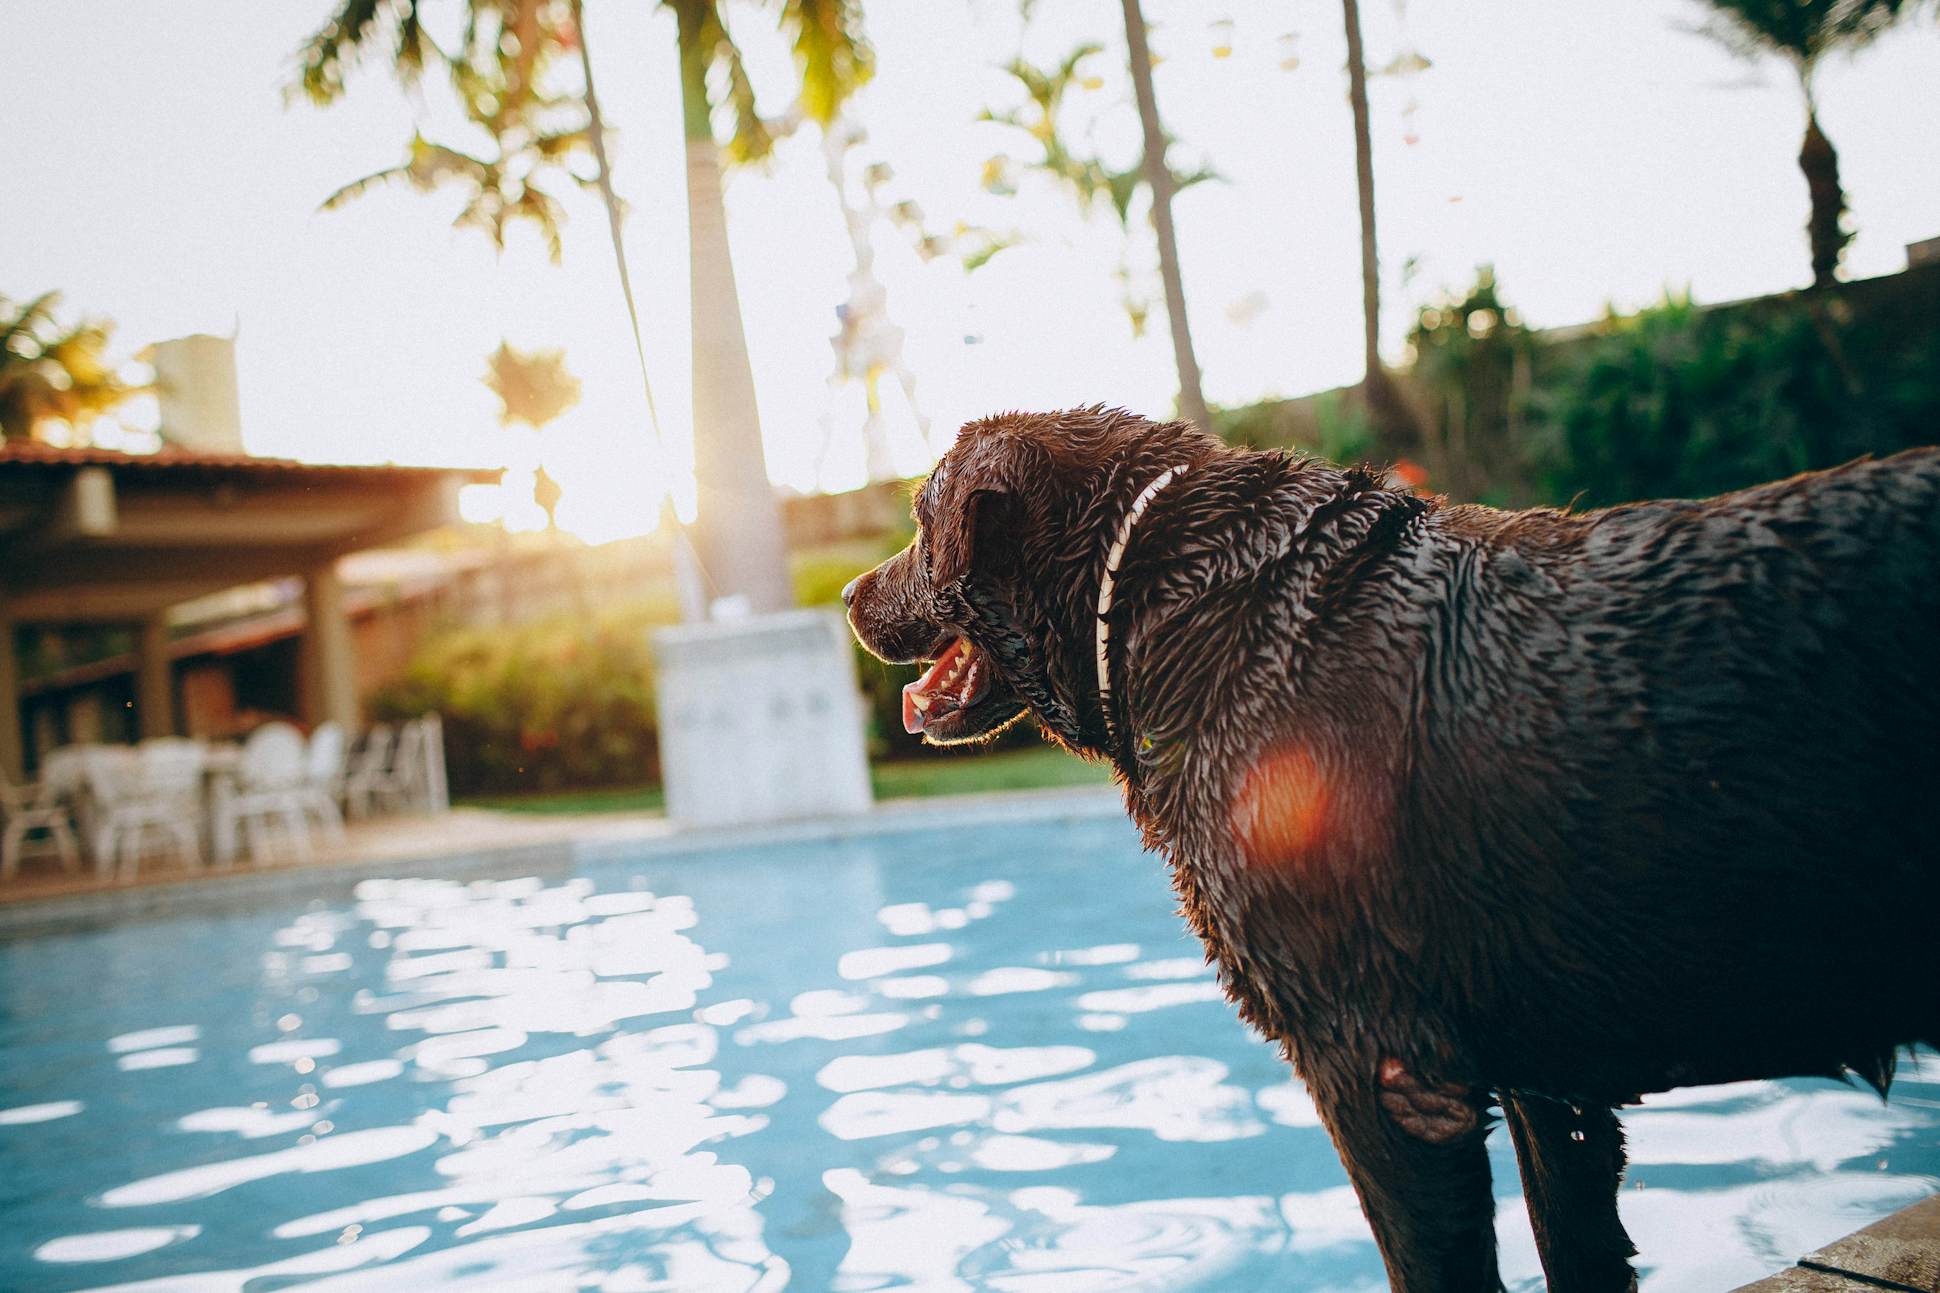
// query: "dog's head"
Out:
[999,588]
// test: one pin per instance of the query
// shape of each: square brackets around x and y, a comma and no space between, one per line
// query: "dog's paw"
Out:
[1437,1114]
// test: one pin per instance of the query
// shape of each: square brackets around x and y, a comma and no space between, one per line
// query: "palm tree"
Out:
[738,534]
[1159,179]
[1089,180]
[533,387]
[533,134]
[49,373]
[1802,32]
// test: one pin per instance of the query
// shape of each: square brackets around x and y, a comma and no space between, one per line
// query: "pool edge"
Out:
[578,843]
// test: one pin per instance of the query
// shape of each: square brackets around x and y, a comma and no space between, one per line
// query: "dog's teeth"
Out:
[921,702]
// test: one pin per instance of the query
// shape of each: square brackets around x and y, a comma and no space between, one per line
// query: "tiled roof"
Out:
[171,457]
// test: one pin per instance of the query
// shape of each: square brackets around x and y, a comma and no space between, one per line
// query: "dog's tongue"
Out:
[952,683]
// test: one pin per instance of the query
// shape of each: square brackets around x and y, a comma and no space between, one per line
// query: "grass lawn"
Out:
[958,774]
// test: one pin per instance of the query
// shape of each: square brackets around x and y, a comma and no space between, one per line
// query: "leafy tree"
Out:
[50,372]
[1802,32]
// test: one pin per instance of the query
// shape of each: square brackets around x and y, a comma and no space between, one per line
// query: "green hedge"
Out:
[567,702]
[560,702]
[1682,402]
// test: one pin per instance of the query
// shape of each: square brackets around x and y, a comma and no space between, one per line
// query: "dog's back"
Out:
[1692,748]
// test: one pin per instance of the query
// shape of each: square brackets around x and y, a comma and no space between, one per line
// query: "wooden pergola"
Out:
[96,536]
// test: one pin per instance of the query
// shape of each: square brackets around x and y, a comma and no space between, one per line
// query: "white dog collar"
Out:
[1110,580]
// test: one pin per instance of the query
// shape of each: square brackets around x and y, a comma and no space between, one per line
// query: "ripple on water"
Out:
[148,1038]
[113,1245]
[1175,1097]
[1041,1238]
[981,1065]
[351,1149]
[23,1114]
[875,962]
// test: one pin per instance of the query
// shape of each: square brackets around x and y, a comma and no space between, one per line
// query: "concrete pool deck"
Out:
[468,841]
[1901,1252]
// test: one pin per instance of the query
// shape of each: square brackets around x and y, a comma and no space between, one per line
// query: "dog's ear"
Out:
[970,486]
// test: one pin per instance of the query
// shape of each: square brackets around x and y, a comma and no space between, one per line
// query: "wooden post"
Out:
[330,681]
[11,763]
[154,687]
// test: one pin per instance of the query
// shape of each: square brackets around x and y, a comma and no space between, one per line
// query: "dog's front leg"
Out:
[1414,1151]
[1572,1160]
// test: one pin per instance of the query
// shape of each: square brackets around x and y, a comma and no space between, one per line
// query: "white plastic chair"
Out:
[369,771]
[34,810]
[268,785]
[156,788]
[323,778]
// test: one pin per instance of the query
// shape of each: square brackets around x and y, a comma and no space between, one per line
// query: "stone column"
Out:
[330,679]
[11,763]
[154,687]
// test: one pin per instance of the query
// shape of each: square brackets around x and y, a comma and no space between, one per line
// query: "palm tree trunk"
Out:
[1821,166]
[1158,175]
[738,531]
[1394,423]
[1364,177]
[687,579]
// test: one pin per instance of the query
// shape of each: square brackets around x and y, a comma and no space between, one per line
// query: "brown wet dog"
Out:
[1473,808]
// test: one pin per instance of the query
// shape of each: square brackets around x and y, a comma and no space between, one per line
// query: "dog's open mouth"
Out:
[958,680]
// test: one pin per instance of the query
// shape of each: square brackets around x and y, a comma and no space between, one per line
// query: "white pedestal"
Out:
[760,720]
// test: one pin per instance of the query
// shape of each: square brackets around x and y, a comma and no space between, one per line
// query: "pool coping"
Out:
[1899,1252]
[580,841]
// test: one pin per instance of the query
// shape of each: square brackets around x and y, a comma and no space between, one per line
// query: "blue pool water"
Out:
[980,1059]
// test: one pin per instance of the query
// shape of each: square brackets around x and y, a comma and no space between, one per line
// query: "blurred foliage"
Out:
[533,387]
[1472,370]
[566,702]
[1678,401]
[1065,154]
[53,372]
[1332,425]
[557,702]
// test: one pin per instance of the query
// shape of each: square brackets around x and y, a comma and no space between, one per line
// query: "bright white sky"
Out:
[1595,151]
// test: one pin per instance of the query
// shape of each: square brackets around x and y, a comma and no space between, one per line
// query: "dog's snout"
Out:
[849,589]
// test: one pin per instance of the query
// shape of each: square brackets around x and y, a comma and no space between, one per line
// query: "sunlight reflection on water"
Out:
[946,1063]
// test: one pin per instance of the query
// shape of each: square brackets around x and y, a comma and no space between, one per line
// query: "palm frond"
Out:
[831,53]
[324,60]
[1800,30]
[357,188]
[30,317]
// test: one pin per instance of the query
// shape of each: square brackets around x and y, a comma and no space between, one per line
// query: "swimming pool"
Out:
[981,1058]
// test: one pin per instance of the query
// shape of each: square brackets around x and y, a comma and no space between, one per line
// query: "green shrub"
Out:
[1683,402]
[560,702]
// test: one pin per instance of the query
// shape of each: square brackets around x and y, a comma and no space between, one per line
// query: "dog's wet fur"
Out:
[1478,809]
